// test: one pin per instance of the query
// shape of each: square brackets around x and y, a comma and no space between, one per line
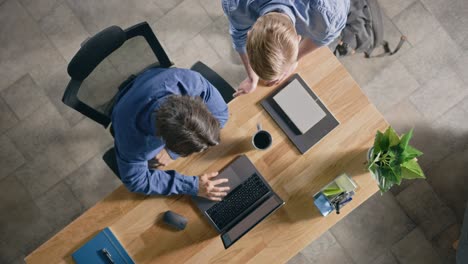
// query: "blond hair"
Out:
[272,45]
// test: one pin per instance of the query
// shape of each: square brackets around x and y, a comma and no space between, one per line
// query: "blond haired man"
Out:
[271,36]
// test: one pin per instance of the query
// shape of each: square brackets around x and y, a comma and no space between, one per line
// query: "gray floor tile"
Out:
[21,224]
[234,74]
[55,88]
[40,8]
[12,194]
[396,189]
[453,121]
[8,253]
[24,227]
[437,95]
[198,50]
[7,118]
[24,49]
[64,29]
[92,181]
[59,206]
[464,44]
[36,177]
[462,68]
[10,157]
[390,86]
[167,6]
[435,52]
[415,22]
[42,172]
[372,228]
[213,8]
[326,250]
[386,258]
[364,70]
[443,243]
[452,15]
[35,133]
[181,24]
[24,96]
[298,259]
[217,34]
[423,206]
[393,8]
[19,260]
[403,116]
[85,140]
[433,140]
[58,158]
[407,253]
[97,15]
[448,179]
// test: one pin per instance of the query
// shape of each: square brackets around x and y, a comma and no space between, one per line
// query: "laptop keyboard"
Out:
[237,201]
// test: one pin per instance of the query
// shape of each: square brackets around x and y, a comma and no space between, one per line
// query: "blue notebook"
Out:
[104,248]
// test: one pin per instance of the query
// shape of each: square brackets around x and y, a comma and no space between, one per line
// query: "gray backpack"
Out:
[364,31]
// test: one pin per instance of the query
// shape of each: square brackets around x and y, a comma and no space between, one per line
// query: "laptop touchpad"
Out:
[234,179]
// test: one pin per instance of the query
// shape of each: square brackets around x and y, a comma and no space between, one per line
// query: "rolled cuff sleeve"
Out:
[173,155]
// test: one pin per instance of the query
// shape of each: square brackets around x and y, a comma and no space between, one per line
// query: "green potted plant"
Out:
[392,159]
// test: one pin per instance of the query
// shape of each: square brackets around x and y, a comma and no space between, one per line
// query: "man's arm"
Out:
[250,83]
[138,178]
[238,29]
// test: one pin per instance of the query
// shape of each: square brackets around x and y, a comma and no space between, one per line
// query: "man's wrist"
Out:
[254,79]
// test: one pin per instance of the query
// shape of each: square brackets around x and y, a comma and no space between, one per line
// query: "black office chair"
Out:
[223,87]
[104,49]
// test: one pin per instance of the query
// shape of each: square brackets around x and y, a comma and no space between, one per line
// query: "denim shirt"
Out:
[319,20]
[135,130]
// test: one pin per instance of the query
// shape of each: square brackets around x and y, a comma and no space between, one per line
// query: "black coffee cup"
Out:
[262,139]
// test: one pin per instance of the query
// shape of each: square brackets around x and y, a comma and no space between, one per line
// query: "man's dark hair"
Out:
[186,125]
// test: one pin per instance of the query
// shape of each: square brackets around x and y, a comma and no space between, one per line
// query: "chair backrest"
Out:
[217,81]
[107,61]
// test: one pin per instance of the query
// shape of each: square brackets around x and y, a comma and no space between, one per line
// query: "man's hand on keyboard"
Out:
[208,188]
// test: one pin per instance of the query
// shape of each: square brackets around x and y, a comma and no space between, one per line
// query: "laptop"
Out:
[300,113]
[249,201]
[301,108]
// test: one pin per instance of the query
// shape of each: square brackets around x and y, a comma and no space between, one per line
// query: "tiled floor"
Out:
[50,157]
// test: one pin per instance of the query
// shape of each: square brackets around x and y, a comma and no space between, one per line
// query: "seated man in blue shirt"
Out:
[267,34]
[164,114]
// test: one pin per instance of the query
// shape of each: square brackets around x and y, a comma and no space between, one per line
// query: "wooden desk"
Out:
[134,219]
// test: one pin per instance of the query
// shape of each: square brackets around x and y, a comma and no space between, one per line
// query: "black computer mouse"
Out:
[175,220]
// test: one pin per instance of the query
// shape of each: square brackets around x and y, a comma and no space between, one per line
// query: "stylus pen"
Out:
[108,255]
